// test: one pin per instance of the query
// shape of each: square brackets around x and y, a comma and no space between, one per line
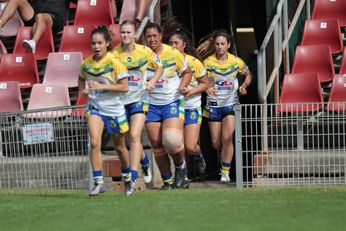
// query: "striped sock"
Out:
[226,166]
[181,165]
[167,178]
[145,160]
[134,175]
[98,178]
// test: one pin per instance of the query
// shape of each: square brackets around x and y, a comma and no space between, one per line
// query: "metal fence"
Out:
[44,149]
[297,148]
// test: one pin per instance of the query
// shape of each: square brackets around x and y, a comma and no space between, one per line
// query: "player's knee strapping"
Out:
[172,140]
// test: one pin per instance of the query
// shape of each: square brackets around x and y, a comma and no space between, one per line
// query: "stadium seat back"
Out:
[115,28]
[301,92]
[63,68]
[326,9]
[19,67]
[314,58]
[49,96]
[44,46]
[337,97]
[77,38]
[343,63]
[323,31]
[3,49]
[10,97]
[93,12]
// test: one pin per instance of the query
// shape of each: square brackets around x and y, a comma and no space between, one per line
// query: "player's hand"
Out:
[184,90]
[150,86]
[242,90]
[95,85]
[211,91]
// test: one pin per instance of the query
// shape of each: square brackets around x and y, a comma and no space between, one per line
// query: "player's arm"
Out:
[248,79]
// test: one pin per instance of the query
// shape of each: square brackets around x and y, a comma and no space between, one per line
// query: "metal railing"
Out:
[307,148]
[278,35]
[44,149]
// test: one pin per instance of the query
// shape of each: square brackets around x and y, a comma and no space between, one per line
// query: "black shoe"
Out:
[180,179]
[200,165]
[166,186]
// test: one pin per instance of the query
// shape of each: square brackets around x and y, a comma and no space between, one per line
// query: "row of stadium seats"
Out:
[87,12]
[42,96]
[74,38]
[61,67]
[313,65]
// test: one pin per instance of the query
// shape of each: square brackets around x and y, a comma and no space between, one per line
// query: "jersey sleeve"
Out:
[153,60]
[200,70]
[181,61]
[243,68]
[120,70]
[82,74]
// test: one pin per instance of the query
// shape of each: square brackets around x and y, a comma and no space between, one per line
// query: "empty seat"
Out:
[314,58]
[93,12]
[325,9]
[19,67]
[76,38]
[49,96]
[323,31]
[44,46]
[63,68]
[301,93]
[3,49]
[10,97]
[343,63]
[337,97]
[115,28]
[12,25]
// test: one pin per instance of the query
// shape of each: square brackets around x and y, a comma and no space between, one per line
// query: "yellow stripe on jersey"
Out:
[230,68]
[172,61]
[108,67]
[139,59]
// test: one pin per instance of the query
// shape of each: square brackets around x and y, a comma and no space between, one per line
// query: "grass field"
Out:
[196,209]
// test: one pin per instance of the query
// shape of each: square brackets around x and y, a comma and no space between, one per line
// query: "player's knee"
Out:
[159,151]
[172,141]
[120,148]
[216,144]
[191,148]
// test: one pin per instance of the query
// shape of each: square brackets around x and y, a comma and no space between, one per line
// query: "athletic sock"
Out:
[226,166]
[167,178]
[145,160]
[98,178]
[134,175]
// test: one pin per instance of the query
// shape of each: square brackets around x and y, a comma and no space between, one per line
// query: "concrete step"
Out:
[301,162]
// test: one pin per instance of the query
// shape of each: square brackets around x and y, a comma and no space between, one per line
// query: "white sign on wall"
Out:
[38,133]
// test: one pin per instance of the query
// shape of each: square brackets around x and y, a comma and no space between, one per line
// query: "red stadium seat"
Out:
[10,97]
[115,28]
[63,68]
[343,63]
[11,27]
[326,9]
[76,38]
[301,93]
[314,58]
[323,31]
[44,46]
[93,12]
[3,49]
[81,100]
[337,97]
[19,67]
[49,96]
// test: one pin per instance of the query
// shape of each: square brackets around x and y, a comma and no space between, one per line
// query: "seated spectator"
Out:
[38,14]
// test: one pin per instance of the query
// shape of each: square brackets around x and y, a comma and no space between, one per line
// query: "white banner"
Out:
[38,133]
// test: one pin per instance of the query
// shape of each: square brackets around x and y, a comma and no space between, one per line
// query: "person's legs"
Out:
[95,127]
[42,21]
[173,143]
[136,147]
[24,8]
[227,139]
[142,6]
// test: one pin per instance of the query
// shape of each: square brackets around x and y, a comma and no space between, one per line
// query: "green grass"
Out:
[208,209]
